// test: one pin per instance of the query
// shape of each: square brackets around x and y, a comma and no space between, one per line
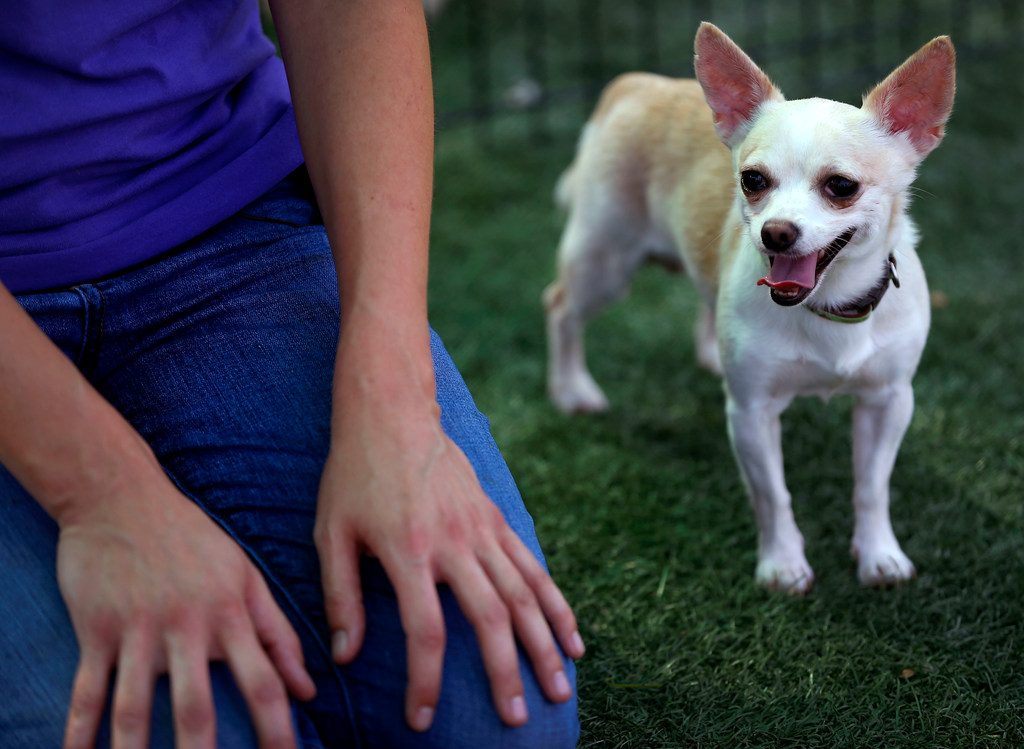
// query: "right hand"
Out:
[154,586]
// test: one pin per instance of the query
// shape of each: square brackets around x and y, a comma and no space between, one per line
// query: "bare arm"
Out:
[394,485]
[57,435]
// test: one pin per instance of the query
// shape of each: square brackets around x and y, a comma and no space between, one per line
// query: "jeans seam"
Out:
[94,308]
[85,326]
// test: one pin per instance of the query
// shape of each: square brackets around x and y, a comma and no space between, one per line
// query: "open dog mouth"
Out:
[792,279]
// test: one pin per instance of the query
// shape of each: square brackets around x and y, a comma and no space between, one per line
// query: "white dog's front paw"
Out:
[578,394]
[883,567]
[791,574]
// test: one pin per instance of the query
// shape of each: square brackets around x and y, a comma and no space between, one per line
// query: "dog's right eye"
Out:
[838,186]
[753,181]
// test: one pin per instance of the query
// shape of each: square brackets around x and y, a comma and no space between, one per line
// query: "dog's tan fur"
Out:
[668,170]
[666,154]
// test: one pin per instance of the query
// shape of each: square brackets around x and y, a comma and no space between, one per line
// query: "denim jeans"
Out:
[221,355]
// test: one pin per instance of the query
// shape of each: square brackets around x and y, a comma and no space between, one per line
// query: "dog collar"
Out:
[861,310]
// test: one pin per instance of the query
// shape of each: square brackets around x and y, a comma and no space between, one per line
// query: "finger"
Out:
[492,623]
[262,688]
[423,622]
[133,693]
[188,663]
[552,602]
[343,595]
[88,698]
[530,625]
[278,637]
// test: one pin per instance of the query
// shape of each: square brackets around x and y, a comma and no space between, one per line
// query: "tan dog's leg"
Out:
[706,340]
[598,255]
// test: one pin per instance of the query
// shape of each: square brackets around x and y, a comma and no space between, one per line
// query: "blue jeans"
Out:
[221,355]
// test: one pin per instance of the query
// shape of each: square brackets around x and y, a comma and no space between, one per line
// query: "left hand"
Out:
[396,487]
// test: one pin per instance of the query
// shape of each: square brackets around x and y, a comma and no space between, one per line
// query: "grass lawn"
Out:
[642,513]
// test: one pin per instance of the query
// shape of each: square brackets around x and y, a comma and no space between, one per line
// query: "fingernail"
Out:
[561,684]
[422,718]
[577,643]
[517,708]
[339,645]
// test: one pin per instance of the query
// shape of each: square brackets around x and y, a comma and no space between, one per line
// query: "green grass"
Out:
[644,519]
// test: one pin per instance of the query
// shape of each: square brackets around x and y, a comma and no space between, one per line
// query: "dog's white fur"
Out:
[652,181]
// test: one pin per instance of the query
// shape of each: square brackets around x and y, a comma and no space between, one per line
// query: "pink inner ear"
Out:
[917,97]
[911,114]
[734,86]
[729,98]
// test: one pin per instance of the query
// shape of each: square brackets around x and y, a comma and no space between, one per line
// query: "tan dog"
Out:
[808,198]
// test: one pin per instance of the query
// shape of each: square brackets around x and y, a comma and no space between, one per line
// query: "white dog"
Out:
[811,202]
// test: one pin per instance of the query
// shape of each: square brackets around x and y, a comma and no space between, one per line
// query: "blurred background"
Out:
[499,59]
[640,510]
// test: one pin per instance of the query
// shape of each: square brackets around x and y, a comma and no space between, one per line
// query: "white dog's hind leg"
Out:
[756,435]
[879,423]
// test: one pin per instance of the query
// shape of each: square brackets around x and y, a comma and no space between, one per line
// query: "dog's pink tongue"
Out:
[792,271]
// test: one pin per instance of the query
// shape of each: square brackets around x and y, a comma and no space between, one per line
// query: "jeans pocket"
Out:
[290,202]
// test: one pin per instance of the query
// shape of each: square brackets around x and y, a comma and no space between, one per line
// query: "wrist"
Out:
[385,358]
[102,460]
[385,391]
[66,445]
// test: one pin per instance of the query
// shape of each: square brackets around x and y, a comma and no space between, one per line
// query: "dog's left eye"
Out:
[840,187]
[753,182]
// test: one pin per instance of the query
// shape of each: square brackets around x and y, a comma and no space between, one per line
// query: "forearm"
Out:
[58,436]
[359,73]
[395,485]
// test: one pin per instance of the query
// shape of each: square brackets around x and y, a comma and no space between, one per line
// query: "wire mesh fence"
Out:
[535,66]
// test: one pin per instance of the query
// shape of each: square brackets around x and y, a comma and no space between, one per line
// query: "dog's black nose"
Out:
[779,235]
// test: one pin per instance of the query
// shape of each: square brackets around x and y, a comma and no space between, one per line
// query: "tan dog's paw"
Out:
[791,574]
[578,394]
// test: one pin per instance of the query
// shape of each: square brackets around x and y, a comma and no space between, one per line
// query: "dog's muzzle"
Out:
[792,279]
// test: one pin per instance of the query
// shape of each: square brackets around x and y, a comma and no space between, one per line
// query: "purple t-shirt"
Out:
[130,126]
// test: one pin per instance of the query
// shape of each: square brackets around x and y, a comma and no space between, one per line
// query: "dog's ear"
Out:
[734,86]
[917,97]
